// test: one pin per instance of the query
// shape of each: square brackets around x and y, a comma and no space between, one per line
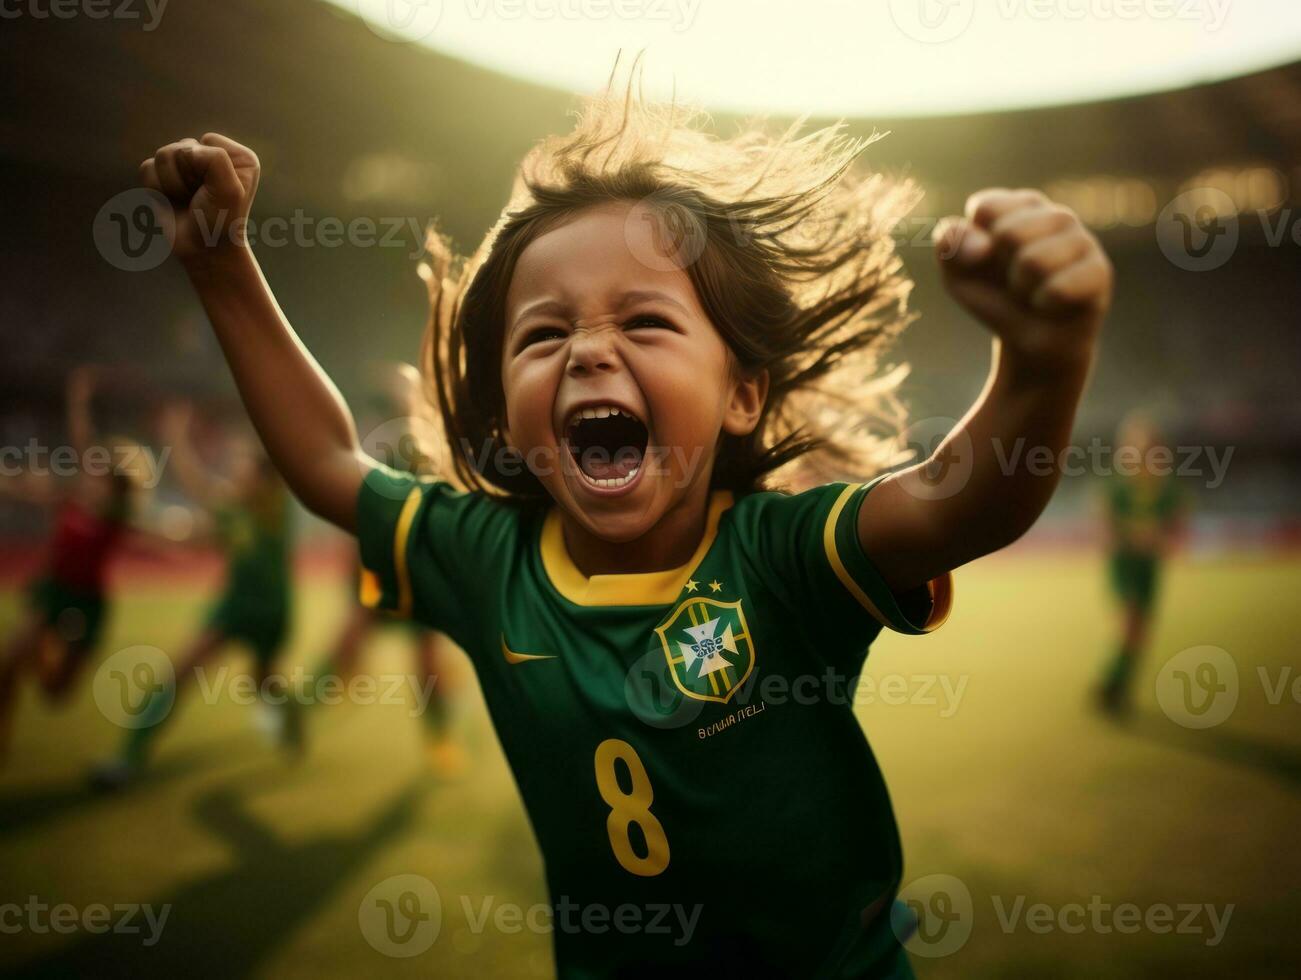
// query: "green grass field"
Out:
[1017,788]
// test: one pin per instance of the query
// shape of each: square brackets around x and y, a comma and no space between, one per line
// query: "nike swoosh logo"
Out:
[518,658]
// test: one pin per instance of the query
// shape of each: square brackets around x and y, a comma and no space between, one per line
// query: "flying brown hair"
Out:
[789,250]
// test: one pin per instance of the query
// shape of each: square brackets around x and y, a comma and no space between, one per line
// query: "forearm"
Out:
[1032,273]
[987,482]
[299,414]
[1015,434]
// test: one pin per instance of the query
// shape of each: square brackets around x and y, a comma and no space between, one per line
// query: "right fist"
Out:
[210,184]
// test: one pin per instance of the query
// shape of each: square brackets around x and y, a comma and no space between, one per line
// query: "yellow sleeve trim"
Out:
[940,589]
[400,536]
[833,554]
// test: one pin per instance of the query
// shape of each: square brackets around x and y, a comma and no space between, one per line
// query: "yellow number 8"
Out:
[627,809]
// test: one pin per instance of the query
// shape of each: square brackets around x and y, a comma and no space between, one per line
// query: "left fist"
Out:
[1030,271]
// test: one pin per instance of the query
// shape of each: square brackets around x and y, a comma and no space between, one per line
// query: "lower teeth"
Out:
[614,481]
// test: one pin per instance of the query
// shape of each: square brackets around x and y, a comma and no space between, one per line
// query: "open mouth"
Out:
[608,443]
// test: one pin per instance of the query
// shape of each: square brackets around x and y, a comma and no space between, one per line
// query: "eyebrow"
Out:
[555,307]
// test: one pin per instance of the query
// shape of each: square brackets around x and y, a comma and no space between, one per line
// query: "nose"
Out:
[593,350]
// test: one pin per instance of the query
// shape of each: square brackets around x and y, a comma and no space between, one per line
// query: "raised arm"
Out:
[80,390]
[1031,272]
[201,484]
[303,422]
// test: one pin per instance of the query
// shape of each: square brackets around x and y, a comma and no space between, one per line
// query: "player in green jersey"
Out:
[395,418]
[1144,517]
[627,807]
[249,514]
[659,323]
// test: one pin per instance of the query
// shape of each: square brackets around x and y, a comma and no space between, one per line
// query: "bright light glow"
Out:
[858,58]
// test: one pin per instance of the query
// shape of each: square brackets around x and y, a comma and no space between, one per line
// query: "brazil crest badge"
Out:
[708,647]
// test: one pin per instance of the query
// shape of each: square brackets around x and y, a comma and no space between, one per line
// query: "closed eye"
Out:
[540,335]
[648,321]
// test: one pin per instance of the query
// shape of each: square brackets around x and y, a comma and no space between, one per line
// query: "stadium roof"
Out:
[332,107]
[892,57]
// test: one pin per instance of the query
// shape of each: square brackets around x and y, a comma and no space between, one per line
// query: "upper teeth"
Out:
[597,412]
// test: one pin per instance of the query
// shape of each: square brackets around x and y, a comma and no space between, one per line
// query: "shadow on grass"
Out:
[1280,761]
[226,924]
[42,804]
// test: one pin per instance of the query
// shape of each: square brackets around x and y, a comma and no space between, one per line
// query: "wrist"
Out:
[218,262]
[1063,365]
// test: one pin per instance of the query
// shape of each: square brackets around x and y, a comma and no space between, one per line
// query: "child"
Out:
[1145,514]
[250,513]
[69,603]
[658,323]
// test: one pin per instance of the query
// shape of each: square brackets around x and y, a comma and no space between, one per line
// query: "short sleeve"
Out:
[809,547]
[428,551]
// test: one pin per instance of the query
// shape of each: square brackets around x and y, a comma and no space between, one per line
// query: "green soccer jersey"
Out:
[684,740]
[255,538]
[1142,512]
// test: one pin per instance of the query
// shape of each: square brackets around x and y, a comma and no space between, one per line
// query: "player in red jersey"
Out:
[67,602]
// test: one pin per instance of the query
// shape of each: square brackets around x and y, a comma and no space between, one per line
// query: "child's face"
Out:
[590,327]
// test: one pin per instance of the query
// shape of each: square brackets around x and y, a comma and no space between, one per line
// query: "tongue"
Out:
[598,465]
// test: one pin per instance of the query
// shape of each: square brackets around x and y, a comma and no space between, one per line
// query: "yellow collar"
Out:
[629,589]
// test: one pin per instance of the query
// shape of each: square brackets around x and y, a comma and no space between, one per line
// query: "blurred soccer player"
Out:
[68,601]
[249,510]
[394,418]
[1144,516]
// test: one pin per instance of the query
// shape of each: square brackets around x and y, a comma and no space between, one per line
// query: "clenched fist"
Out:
[210,183]
[1030,271]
